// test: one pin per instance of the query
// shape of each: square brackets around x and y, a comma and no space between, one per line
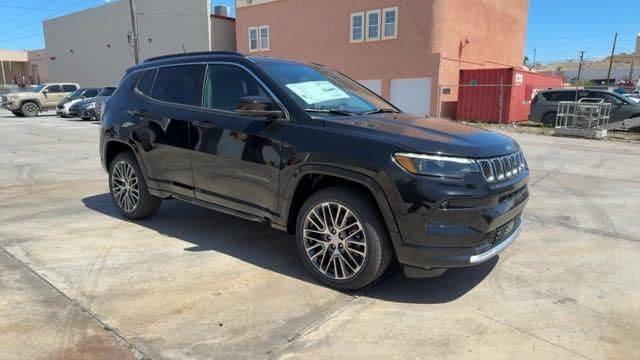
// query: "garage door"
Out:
[412,95]
[373,85]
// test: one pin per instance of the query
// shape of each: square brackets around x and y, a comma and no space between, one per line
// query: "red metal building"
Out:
[500,95]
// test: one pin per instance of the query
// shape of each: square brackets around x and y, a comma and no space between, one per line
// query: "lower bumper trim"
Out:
[480,258]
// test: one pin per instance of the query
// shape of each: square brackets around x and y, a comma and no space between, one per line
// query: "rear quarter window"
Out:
[145,84]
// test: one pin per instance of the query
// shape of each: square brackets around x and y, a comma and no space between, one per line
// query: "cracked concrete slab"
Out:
[193,283]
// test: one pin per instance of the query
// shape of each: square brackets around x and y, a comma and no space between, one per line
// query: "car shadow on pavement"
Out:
[276,251]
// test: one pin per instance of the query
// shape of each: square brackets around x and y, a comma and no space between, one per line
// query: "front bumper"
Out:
[12,106]
[448,225]
[73,112]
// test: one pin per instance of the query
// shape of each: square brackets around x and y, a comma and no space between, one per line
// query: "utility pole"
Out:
[613,50]
[534,58]
[134,31]
[580,66]
[631,70]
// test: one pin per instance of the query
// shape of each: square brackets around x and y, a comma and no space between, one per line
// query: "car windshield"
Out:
[36,89]
[319,89]
[76,93]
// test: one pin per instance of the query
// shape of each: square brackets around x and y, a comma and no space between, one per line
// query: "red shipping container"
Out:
[500,95]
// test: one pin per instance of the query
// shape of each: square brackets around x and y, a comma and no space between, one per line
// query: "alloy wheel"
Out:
[125,186]
[334,241]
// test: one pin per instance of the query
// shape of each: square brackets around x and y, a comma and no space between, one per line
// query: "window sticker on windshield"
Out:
[313,92]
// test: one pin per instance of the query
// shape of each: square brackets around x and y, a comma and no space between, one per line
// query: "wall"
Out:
[90,47]
[223,33]
[38,66]
[436,38]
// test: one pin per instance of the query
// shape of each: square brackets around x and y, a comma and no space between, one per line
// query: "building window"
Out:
[253,39]
[390,23]
[373,25]
[357,26]
[264,37]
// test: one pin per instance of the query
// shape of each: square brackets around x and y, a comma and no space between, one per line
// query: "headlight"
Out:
[435,165]
[91,106]
[11,98]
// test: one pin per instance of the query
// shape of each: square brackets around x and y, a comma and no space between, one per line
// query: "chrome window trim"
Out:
[287,116]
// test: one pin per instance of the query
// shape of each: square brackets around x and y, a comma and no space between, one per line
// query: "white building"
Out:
[92,47]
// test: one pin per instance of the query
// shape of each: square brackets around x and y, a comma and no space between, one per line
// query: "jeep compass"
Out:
[307,150]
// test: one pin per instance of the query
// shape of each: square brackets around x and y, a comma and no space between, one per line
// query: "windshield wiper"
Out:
[332,111]
[380,110]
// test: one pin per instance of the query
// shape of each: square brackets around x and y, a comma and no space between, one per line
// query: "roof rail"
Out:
[163,57]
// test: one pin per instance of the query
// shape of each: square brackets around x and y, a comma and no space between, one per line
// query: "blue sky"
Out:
[558,29]
[21,21]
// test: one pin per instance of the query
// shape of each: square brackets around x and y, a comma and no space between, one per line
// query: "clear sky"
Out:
[21,20]
[558,29]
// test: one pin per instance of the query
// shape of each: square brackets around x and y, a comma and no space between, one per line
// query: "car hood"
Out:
[428,135]
[85,102]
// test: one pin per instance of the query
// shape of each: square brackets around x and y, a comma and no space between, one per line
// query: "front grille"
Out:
[498,235]
[502,168]
[5,99]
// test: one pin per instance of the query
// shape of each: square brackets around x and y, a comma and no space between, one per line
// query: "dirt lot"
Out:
[77,281]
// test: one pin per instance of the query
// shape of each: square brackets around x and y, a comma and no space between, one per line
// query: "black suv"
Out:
[309,151]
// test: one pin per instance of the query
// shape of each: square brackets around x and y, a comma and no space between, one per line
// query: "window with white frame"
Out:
[357,27]
[373,25]
[253,39]
[390,23]
[264,37]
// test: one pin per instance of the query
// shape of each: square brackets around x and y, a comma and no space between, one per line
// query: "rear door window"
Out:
[69,88]
[560,96]
[181,84]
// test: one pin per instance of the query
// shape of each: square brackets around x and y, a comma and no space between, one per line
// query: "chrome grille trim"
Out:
[503,167]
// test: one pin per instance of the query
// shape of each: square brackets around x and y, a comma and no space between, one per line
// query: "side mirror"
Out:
[258,106]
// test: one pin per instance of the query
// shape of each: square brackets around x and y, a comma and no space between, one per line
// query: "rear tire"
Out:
[549,119]
[128,189]
[86,118]
[30,109]
[349,247]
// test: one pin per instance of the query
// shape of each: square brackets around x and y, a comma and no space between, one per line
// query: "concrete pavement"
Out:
[78,280]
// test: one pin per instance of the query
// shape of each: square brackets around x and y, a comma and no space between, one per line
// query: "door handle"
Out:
[137,112]
[204,124]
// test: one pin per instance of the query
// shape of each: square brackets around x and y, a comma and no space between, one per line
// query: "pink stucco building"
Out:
[406,50]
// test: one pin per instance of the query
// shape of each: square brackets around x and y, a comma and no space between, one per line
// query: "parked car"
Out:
[64,106]
[544,106]
[41,98]
[94,111]
[310,151]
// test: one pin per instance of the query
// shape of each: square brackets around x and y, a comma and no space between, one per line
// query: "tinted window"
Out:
[146,82]
[226,84]
[54,88]
[179,84]
[107,91]
[69,88]
[560,96]
[91,93]
[606,97]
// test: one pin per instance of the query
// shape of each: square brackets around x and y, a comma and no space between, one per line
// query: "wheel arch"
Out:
[113,147]
[314,178]
[32,100]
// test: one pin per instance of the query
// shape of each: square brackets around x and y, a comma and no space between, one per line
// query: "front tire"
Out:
[128,189]
[17,113]
[30,109]
[549,119]
[342,240]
